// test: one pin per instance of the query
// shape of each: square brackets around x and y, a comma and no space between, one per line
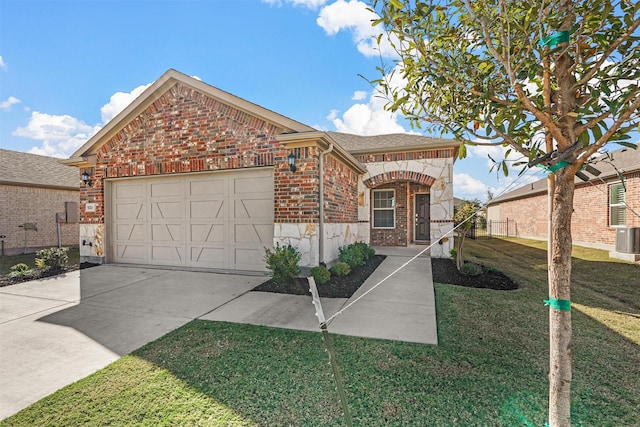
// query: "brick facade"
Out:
[20,204]
[341,192]
[186,131]
[590,220]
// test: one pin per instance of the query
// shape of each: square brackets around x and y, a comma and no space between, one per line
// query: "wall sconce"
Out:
[86,179]
[291,159]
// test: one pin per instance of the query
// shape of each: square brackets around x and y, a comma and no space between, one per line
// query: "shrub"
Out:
[19,270]
[471,269]
[355,254]
[56,258]
[283,263]
[340,268]
[453,253]
[320,274]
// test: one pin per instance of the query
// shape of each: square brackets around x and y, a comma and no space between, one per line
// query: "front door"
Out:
[422,217]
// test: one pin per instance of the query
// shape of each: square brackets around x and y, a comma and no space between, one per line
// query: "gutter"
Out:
[321,210]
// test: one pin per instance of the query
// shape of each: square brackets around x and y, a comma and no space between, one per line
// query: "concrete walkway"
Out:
[402,308]
[56,331]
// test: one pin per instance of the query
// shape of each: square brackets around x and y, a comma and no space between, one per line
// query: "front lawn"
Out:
[490,368]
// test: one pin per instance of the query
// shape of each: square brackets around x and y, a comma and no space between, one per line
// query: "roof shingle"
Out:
[34,170]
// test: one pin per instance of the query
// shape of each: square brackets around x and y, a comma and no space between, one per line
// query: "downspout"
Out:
[321,210]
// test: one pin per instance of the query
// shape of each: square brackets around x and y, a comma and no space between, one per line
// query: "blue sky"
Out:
[68,67]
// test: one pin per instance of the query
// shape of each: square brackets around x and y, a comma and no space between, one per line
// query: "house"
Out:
[38,203]
[603,207]
[189,175]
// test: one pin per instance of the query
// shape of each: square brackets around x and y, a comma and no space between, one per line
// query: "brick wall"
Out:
[398,235]
[38,205]
[186,131]
[341,192]
[590,220]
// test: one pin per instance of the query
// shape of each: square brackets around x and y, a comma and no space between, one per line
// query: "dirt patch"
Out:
[445,271]
[336,287]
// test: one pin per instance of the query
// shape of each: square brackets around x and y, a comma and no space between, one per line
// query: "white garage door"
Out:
[218,220]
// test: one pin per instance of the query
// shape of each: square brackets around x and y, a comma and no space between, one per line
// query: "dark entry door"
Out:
[422,217]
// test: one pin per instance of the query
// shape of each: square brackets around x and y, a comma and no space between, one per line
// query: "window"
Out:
[384,209]
[617,206]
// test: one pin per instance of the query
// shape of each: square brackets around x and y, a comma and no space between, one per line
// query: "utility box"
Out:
[71,211]
[628,240]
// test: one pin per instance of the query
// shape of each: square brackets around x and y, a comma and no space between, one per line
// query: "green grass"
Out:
[490,368]
[7,261]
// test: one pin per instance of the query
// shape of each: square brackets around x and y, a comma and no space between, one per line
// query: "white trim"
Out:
[622,204]
[374,209]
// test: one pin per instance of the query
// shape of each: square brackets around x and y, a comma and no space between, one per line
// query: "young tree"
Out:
[463,218]
[552,81]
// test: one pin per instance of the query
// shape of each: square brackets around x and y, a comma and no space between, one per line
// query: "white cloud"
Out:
[359,95]
[6,105]
[119,102]
[355,16]
[468,188]
[484,151]
[60,135]
[3,65]
[311,4]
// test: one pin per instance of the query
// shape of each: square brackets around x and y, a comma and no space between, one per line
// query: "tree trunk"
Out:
[560,337]
[459,255]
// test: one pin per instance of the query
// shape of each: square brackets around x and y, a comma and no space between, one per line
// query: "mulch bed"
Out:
[41,274]
[445,271]
[336,287]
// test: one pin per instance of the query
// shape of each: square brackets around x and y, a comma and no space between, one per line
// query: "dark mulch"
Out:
[336,287]
[446,272]
[41,274]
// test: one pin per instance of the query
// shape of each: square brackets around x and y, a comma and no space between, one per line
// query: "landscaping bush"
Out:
[19,270]
[283,263]
[320,274]
[453,253]
[56,258]
[340,268]
[356,254]
[471,269]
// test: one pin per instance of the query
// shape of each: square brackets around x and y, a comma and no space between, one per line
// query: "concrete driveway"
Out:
[56,331]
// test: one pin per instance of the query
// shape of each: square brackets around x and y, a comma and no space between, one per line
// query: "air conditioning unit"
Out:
[628,240]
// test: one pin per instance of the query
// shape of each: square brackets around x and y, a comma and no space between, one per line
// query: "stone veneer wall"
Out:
[20,204]
[437,166]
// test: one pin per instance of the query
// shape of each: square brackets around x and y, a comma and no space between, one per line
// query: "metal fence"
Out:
[488,229]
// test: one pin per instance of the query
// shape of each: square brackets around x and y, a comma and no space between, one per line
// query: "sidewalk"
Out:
[402,308]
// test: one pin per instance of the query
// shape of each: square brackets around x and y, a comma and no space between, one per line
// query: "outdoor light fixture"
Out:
[86,179]
[292,162]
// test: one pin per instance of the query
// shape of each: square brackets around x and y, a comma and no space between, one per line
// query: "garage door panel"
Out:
[130,253]
[129,191]
[207,257]
[210,233]
[220,220]
[165,189]
[167,210]
[207,187]
[166,255]
[254,208]
[253,233]
[167,232]
[129,232]
[128,211]
[210,209]
[249,259]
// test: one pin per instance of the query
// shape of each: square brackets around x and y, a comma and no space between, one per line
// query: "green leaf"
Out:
[505,168]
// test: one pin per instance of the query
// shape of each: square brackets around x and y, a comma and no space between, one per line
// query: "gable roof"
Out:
[33,170]
[358,144]
[159,88]
[626,160]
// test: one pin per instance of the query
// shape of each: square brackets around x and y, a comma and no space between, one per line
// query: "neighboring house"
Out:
[189,175]
[601,206]
[37,194]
